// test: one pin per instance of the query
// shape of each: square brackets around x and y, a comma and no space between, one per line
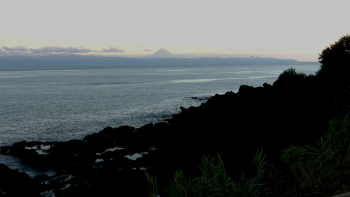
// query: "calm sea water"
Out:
[58,103]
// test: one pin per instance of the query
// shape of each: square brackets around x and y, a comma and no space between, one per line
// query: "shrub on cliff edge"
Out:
[322,168]
[292,81]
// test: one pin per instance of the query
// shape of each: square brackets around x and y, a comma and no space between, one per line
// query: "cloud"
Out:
[35,50]
[141,46]
[231,49]
[259,50]
[7,48]
[113,49]
[148,50]
[48,49]
[18,48]
[14,53]
[58,49]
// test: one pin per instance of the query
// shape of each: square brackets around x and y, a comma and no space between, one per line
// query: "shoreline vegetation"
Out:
[291,138]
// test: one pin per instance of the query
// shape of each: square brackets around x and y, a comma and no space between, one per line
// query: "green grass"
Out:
[153,184]
[215,182]
[322,167]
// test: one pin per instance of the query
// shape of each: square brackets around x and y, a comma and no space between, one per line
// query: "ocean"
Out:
[59,103]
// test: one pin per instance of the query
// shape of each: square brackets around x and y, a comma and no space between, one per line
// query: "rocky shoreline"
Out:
[113,160]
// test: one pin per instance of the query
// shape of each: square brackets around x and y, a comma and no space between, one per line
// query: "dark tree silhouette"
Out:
[335,63]
[334,74]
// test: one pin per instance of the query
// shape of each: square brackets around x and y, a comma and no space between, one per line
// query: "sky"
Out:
[298,29]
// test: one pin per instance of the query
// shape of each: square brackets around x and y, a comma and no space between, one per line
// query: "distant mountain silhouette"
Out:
[161,53]
[164,58]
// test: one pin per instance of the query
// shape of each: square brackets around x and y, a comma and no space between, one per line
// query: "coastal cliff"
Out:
[233,124]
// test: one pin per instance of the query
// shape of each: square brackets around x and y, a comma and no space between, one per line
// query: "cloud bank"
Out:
[58,49]
[49,50]
[113,49]
[21,50]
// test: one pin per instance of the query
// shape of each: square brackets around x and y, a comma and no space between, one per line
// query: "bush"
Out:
[214,181]
[322,166]
[291,74]
[292,81]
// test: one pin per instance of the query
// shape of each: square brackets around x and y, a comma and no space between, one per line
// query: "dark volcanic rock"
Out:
[14,183]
